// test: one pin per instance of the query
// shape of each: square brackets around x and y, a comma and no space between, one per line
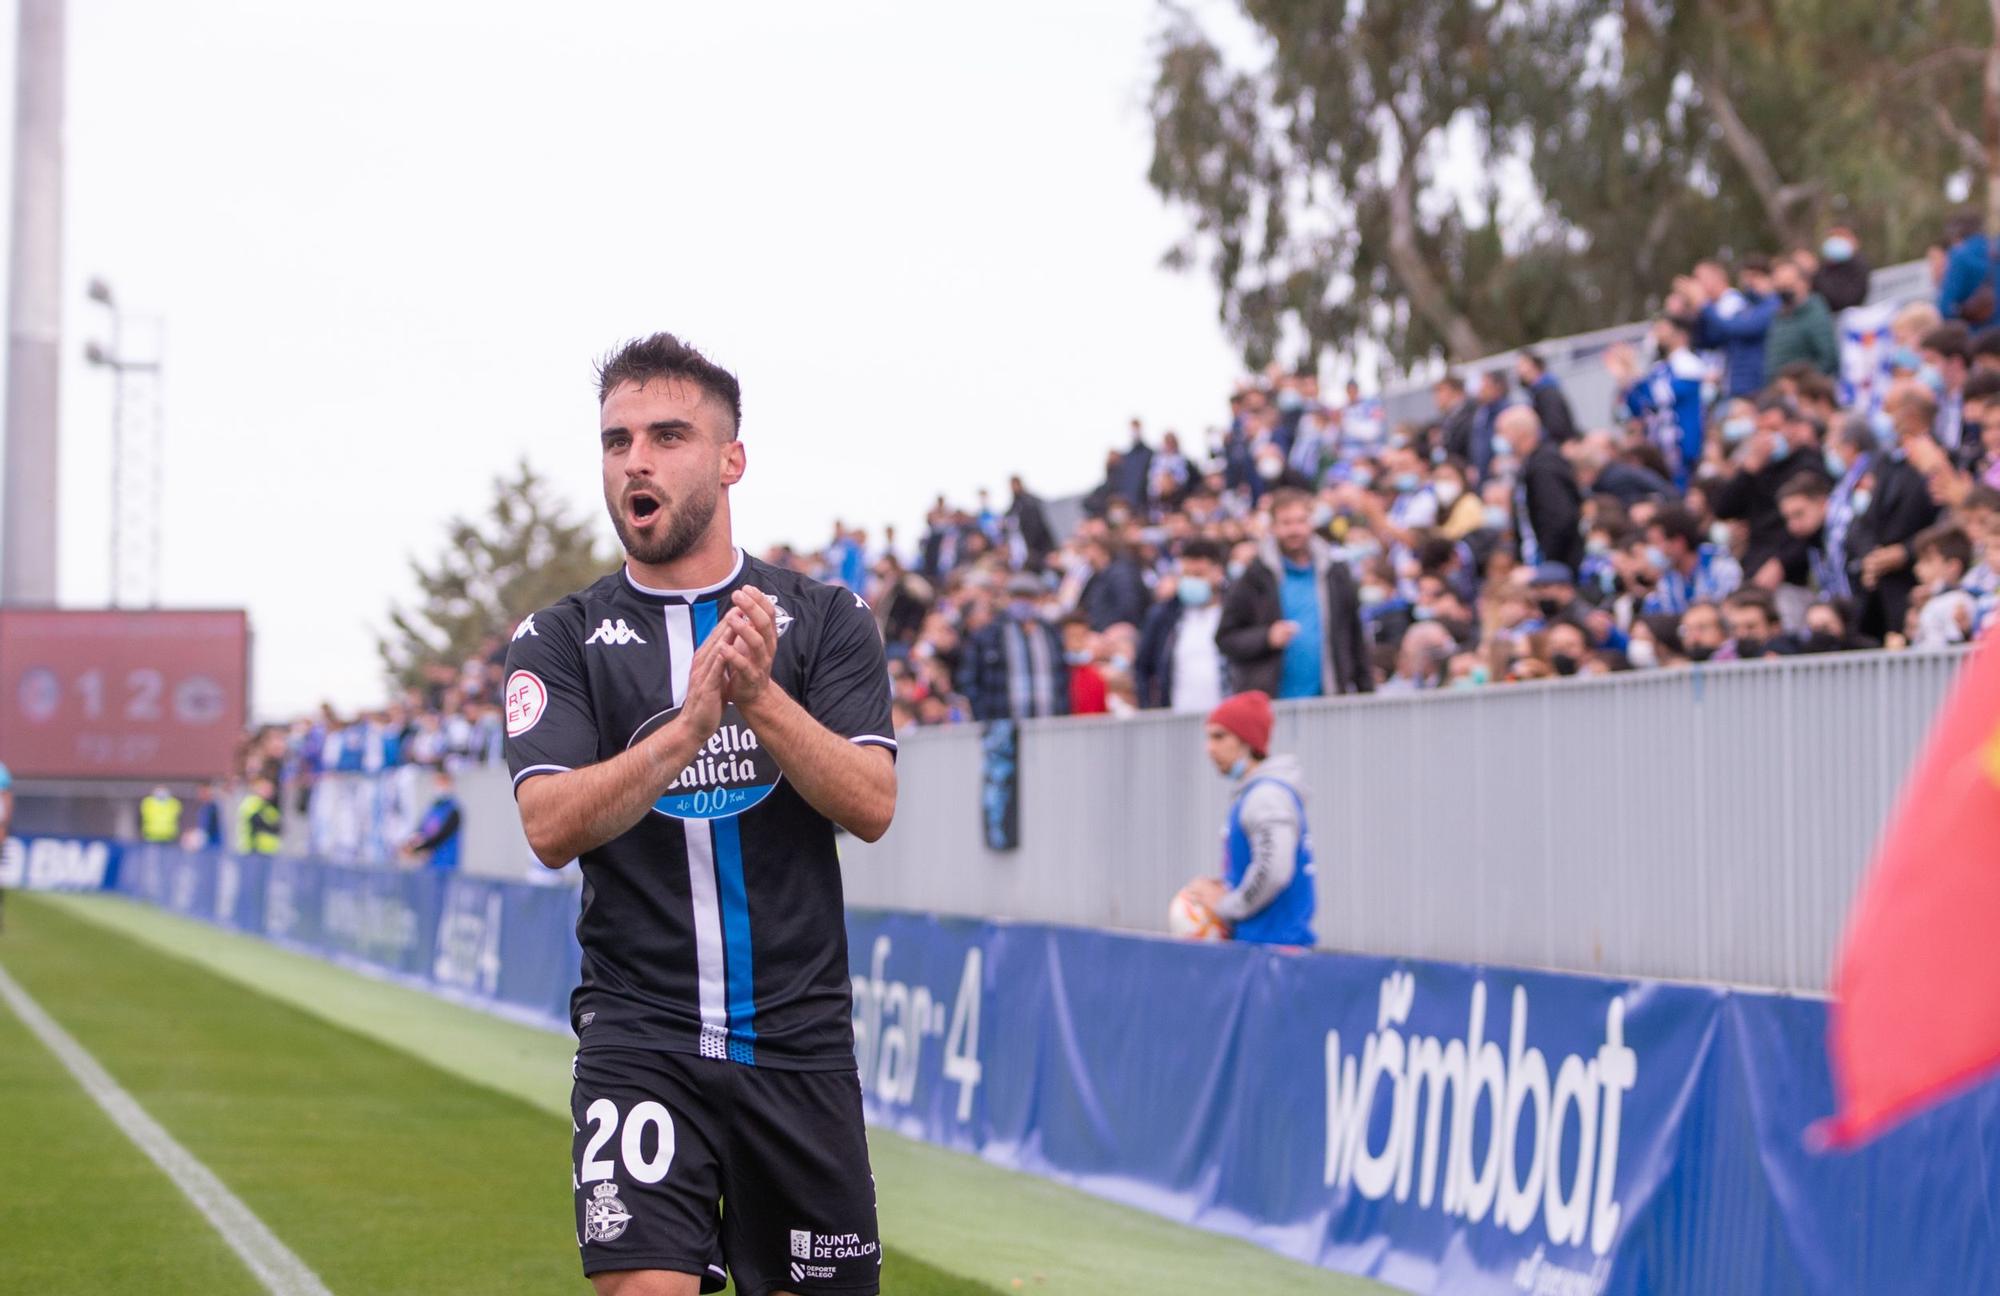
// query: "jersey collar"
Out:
[688,595]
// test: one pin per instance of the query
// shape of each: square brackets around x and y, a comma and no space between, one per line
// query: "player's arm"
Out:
[567,812]
[849,778]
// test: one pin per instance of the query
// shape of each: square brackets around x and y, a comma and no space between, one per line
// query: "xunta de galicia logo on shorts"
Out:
[728,774]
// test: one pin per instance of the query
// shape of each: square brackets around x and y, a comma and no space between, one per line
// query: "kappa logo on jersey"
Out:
[608,632]
[527,627]
[604,1216]
[526,698]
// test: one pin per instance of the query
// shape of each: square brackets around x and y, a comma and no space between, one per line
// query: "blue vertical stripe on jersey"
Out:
[734,897]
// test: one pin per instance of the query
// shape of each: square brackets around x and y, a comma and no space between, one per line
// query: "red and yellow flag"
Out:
[1916,988]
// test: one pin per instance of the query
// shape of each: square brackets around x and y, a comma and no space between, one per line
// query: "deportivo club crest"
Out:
[604,1216]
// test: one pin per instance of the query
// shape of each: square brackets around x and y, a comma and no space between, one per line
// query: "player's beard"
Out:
[679,530]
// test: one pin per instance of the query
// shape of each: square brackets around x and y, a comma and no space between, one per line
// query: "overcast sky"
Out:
[388,240]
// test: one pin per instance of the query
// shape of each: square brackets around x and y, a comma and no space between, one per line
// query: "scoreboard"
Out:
[122,694]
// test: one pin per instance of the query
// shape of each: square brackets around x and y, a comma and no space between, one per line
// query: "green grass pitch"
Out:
[399,1143]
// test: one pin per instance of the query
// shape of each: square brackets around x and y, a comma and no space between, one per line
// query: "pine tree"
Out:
[525,554]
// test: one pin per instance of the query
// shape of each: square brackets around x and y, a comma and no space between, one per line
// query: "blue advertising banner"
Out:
[59,863]
[1443,1128]
[506,946]
[1440,1127]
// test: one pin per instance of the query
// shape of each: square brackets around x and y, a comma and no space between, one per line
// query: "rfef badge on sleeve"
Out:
[727,775]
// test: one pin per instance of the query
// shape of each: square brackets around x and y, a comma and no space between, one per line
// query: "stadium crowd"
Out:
[1764,485]
[1775,477]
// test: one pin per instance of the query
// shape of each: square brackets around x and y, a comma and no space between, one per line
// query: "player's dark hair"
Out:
[663,355]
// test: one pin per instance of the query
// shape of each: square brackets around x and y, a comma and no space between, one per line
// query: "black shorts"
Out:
[699,1166]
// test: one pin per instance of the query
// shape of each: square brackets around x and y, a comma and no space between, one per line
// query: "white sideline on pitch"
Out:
[281,1272]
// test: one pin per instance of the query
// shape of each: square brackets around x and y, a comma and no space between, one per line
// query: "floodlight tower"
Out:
[135,454]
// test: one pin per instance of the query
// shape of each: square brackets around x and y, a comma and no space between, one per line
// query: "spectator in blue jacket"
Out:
[1667,396]
[437,835]
[1739,331]
[1968,267]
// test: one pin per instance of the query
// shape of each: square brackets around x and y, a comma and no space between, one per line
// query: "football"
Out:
[1190,919]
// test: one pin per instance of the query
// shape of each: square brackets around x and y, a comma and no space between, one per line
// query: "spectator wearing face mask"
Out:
[1701,631]
[1566,647]
[1830,628]
[1688,568]
[1291,626]
[1553,588]
[1179,666]
[1012,667]
[1781,444]
[1087,693]
[1802,327]
[1754,627]
[1944,358]
[1460,512]
[1842,277]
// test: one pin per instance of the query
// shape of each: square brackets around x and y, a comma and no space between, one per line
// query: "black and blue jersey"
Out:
[714,926]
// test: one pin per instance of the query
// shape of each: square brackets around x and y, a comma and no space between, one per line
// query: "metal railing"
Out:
[1708,824]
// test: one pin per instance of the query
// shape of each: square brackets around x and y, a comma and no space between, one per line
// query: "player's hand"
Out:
[749,640]
[1282,633]
[701,709]
[1209,891]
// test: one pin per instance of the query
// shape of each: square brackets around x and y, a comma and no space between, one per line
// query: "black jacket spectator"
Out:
[1252,606]
[1753,497]
[1552,407]
[1014,669]
[1901,507]
[1455,429]
[1549,495]
[1115,592]
[1031,521]
[1132,480]
[905,604]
